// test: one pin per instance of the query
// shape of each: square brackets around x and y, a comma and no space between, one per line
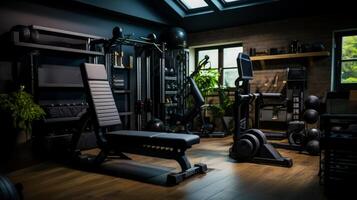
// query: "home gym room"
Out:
[178,99]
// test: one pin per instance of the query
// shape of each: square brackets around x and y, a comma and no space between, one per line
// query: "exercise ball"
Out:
[175,37]
[313,134]
[313,147]
[311,116]
[312,102]
[155,125]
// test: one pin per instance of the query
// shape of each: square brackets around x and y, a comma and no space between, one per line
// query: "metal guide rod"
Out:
[148,84]
[162,76]
[138,89]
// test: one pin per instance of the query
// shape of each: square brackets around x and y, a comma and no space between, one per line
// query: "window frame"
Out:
[220,67]
[338,86]
[235,3]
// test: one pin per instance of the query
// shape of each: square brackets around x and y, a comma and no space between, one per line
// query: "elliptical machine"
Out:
[250,145]
[198,104]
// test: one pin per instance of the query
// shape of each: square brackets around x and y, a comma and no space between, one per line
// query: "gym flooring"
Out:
[224,180]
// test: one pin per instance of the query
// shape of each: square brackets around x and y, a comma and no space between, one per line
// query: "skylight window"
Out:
[194,4]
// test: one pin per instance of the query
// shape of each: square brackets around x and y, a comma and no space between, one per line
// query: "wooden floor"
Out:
[225,179]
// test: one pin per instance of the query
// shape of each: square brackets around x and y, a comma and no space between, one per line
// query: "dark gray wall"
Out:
[142,9]
[79,19]
[72,16]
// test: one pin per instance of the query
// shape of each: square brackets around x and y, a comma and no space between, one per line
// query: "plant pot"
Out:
[228,123]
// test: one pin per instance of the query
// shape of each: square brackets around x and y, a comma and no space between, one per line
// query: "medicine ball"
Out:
[312,102]
[175,37]
[117,32]
[313,147]
[155,125]
[311,116]
[313,134]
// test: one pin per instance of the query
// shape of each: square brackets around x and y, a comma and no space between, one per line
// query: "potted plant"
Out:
[207,81]
[18,111]
[227,105]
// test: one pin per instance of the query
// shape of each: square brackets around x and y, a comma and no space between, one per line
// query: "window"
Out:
[230,70]
[346,60]
[224,59]
[194,4]
[349,59]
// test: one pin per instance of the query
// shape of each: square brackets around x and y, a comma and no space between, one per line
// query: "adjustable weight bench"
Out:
[104,114]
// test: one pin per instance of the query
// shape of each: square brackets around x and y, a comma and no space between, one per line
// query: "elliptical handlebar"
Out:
[201,63]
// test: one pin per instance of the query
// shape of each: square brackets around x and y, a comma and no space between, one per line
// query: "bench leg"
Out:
[186,170]
[183,162]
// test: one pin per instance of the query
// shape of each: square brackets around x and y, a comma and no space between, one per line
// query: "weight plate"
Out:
[259,134]
[254,140]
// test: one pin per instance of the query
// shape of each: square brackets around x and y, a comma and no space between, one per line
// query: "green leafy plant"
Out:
[207,81]
[22,109]
[227,104]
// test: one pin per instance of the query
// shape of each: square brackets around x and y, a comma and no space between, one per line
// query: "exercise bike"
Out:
[250,145]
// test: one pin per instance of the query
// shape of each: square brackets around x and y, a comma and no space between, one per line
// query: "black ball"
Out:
[311,116]
[313,147]
[117,32]
[175,37]
[312,102]
[313,134]
[155,125]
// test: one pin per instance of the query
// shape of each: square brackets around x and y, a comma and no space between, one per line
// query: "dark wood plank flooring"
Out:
[225,179]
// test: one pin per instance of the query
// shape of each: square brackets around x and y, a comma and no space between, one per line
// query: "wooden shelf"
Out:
[289,56]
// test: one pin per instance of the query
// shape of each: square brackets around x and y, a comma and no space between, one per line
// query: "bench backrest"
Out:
[99,95]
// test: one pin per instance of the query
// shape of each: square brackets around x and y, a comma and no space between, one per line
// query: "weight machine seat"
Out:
[181,141]
[105,114]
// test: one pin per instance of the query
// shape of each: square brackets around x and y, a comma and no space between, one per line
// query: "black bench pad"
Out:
[152,138]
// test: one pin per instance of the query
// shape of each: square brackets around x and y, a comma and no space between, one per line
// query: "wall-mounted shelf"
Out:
[309,56]
[290,56]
